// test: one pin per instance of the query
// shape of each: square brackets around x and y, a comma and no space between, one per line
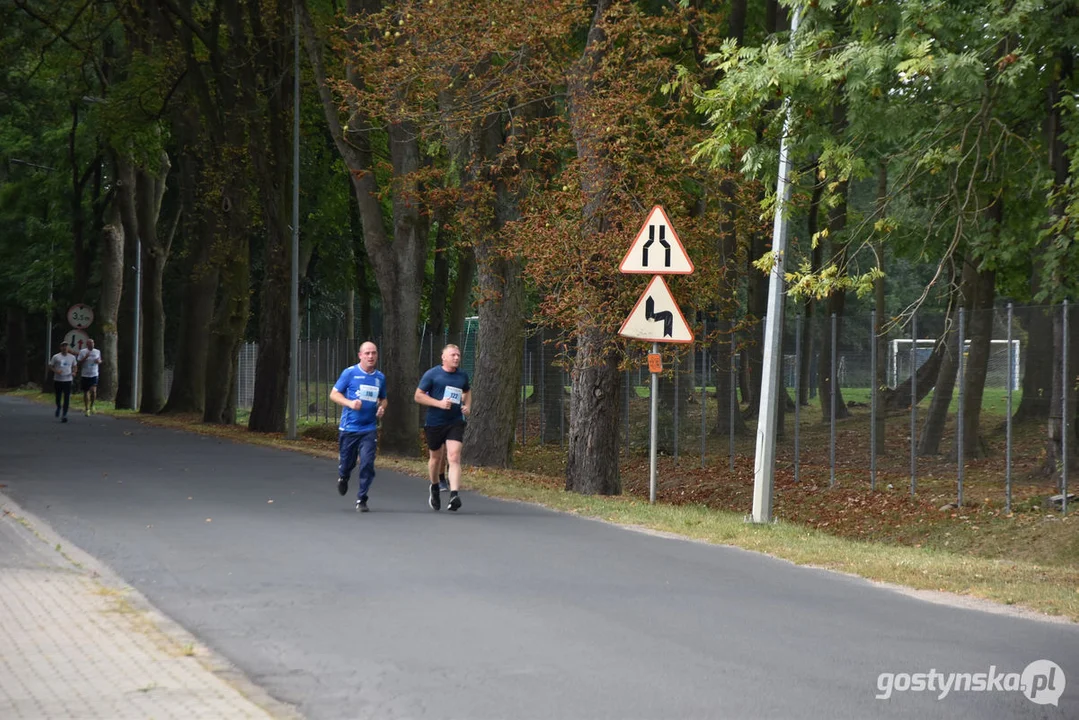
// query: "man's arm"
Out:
[424,399]
[466,402]
[337,397]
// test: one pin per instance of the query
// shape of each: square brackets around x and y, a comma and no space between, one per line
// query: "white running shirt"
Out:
[89,359]
[63,366]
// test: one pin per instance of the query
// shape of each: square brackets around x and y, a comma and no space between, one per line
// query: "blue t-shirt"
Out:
[440,385]
[368,387]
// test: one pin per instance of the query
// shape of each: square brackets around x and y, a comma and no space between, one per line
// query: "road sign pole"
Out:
[764,459]
[653,432]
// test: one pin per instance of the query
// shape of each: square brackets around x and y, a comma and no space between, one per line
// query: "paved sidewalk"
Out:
[76,643]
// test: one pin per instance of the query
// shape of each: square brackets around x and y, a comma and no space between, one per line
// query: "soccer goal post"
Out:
[1000,370]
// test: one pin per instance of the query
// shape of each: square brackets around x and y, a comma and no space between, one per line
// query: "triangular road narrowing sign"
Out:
[657,249]
[657,317]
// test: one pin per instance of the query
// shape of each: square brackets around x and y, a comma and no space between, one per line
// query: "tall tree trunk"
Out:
[592,460]
[269,407]
[1054,451]
[810,343]
[127,396]
[397,261]
[149,191]
[723,347]
[725,384]
[363,288]
[1037,355]
[757,307]
[188,392]
[461,299]
[944,385]
[227,333]
[489,436]
[15,374]
[1063,388]
[112,283]
[898,398]
[439,296]
[592,463]
[980,333]
[880,337]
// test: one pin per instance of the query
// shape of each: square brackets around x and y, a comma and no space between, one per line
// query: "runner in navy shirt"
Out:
[445,392]
[361,393]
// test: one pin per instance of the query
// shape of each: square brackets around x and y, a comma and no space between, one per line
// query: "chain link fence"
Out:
[821,437]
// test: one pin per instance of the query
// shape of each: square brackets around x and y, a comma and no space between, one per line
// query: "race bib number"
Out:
[453,394]
[367,393]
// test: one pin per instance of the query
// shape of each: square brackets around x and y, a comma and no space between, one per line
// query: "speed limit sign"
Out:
[80,316]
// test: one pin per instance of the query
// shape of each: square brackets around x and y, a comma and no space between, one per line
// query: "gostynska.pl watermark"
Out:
[1041,682]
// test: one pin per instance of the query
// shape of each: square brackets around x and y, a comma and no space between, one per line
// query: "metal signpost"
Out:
[656,251]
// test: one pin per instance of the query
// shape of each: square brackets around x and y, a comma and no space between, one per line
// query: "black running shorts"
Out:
[437,435]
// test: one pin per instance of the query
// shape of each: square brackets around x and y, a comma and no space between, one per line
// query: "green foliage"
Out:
[950,96]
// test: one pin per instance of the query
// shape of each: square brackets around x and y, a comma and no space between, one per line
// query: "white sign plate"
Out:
[77,339]
[657,249]
[657,317]
[80,316]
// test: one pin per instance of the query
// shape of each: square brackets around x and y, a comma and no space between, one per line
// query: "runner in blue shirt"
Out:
[446,393]
[361,392]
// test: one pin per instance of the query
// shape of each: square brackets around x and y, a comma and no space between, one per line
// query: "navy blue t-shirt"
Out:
[354,384]
[440,385]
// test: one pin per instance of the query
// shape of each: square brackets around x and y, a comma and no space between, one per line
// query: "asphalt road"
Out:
[500,611]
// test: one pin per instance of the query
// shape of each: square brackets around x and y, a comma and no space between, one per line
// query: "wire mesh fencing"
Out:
[915,400]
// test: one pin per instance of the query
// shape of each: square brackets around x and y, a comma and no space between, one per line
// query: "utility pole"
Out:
[764,469]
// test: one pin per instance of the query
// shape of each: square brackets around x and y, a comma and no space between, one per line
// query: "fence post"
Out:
[704,387]
[832,392]
[959,417]
[628,379]
[733,407]
[797,395]
[524,393]
[1008,424]
[913,403]
[1065,383]
[677,367]
[542,390]
[873,389]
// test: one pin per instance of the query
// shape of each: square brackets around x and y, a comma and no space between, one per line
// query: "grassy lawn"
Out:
[1027,558]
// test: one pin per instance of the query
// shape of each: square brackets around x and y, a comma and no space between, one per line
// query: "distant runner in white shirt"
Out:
[89,371]
[63,365]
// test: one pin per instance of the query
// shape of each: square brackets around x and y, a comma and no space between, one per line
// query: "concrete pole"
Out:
[764,459]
